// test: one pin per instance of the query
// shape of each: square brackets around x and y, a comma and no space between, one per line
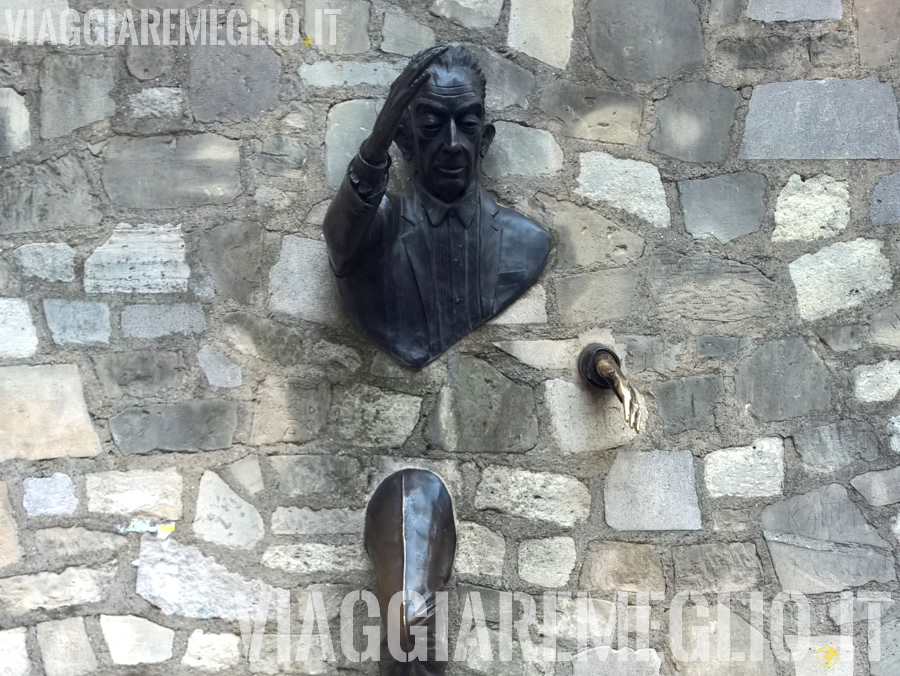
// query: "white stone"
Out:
[14,648]
[247,474]
[352,26]
[604,661]
[348,125]
[302,284]
[18,337]
[348,74]
[812,209]
[559,355]
[145,258]
[65,648]
[156,321]
[518,150]
[219,370]
[157,102]
[469,13]
[794,10]
[134,640]
[53,496]
[537,496]
[755,471]
[54,9]
[479,551]
[268,12]
[877,382]
[10,550]
[72,587]
[841,276]
[634,187]
[52,262]
[547,563]
[77,322]
[15,122]
[884,328]
[139,492]
[212,652]
[224,518]
[56,543]
[402,35]
[529,308]
[893,430]
[601,616]
[306,521]
[314,557]
[273,198]
[816,662]
[581,421]
[38,394]
[542,29]
[368,416]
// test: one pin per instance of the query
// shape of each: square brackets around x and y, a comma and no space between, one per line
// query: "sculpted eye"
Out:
[470,122]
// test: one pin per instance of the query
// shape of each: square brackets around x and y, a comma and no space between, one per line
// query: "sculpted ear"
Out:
[404,141]
[487,137]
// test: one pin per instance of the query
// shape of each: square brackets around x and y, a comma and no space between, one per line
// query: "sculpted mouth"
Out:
[455,171]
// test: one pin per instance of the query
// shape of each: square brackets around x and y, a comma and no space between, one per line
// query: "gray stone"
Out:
[156,102]
[38,394]
[368,416]
[768,381]
[842,338]
[283,156]
[488,598]
[879,35]
[694,122]
[178,171]
[794,10]
[482,411]
[18,336]
[810,663]
[224,518]
[536,496]
[830,549]
[480,551]
[148,62]
[832,447]
[812,209]
[755,471]
[824,119]
[307,476]
[348,74]
[289,411]
[232,253]
[717,567]
[163,4]
[232,82]
[634,187]
[202,425]
[621,566]
[582,422]
[15,123]
[313,557]
[596,296]
[66,78]
[832,49]
[838,277]
[529,308]
[771,51]
[886,201]
[652,490]
[508,84]
[51,195]
[402,35]
[469,13]
[731,520]
[134,640]
[877,382]
[649,353]
[893,431]
[332,356]
[65,647]
[247,474]
[542,29]
[52,262]
[723,12]
[62,543]
[880,602]
[640,42]
[523,151]
[157,321]
[547,563]
[10,549]
[352,26]
[71,587]
[688,403]
[604,661]
[139,374]
[879,488]
[884,328]
[53,496]
[348,125]
[141,492]
[306,521]
[77,322]
[301,283]
[212,652]
[725,207]
[381,467]
[593,114]
[272,198]
[720,346]
[219,370]
[889,663]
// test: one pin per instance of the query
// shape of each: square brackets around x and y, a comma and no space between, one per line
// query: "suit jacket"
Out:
[381,256]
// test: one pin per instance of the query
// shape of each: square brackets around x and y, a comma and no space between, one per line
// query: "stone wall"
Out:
[188,422]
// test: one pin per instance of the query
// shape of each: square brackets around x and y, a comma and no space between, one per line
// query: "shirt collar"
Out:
[466,207]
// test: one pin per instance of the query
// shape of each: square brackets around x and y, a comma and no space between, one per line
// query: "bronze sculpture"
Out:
[418,271]
[601,368]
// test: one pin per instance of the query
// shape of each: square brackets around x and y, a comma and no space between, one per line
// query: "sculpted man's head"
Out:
[444,128]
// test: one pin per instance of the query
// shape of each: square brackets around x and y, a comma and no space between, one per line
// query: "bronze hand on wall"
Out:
[601,367]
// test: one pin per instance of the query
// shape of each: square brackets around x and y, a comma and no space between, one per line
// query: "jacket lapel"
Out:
[491,237]
[418,250]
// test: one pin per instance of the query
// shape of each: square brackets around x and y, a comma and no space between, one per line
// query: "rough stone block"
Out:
[542,29]
[14,648]
[10,550]
[877,382]
[842,338]
[348,74]
[508,84]
[178,171]
[66,78]
[157,321]
[717,568]
[879,33]
[581,421]
[71,587]
[402,35]
[817,658]
[652,490]
[348,125]
[246,473]
[720,346]
[479,551]
[755,471]
[15,122]
[52,496]
[77,322]
[771,51]
[723,12]
[886,201]
[694,122]
[134,640]
[18,337]
[529,308]
[351,26]
[75,542]
[301,283]
[604,661]
[634,187]
[812,209]
[547,563]
[469,13]
[157,102]
[596,296]
[556,355]
[140,492]
[725,207]
[523,151]
[794,10]
[823,119]
[51,262]
[201,425]
[305,476]
[219,370]
[641,42]
[621,566]
[212,652]
[593,114]
[312,557]
[145,258]
[829,448]
[283,156]
[767,382]
[536,496]
[879,488]
[306,521]
[884,328]
[65,647]
[224,518]
[731,520]
[368,416]
[289,411]
[39,394]
[139,374]
[148,62]
[232,253]
[651,353]
[688,403]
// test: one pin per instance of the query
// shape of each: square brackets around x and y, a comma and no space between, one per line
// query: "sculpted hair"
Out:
[460,57]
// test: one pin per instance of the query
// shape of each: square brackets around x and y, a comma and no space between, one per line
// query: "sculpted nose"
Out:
[454,137]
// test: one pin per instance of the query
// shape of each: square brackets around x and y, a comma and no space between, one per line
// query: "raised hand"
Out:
[608,368]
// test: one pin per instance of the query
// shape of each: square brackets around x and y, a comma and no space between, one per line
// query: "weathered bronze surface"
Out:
[410,537]
[420,270]
[602,368]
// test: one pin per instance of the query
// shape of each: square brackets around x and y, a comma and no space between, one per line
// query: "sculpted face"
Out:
[449,132]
